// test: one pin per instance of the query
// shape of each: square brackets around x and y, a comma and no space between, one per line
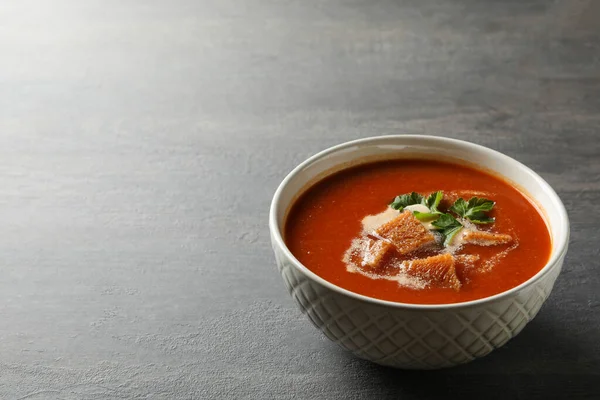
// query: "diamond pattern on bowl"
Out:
[414,339]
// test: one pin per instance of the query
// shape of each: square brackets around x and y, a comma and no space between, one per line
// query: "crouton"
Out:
[466,259]
[439,270]
[375,252]
[483,238]
[406,233]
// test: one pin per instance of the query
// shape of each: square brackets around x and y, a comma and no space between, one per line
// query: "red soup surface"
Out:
[326,220]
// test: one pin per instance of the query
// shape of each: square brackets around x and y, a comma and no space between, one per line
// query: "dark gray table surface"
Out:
[141,142]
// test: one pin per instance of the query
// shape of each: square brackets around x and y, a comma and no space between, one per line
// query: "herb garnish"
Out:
[406,200]
[474,210]
[426,217]
[432,201]
[448,226]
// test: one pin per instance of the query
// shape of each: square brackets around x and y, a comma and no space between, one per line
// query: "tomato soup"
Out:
[418,231]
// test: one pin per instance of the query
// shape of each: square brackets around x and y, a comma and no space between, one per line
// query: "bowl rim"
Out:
[561,244]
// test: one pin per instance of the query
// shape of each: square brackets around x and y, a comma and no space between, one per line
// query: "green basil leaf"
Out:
[450,233]
[448,226]
[460,207]
[446,221]
[405,200]
[481,219]
[433,201]
[474,210]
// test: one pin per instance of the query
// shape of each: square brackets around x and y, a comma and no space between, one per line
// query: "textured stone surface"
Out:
[141,142]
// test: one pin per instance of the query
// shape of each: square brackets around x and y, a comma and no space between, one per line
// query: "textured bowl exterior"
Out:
[414,339]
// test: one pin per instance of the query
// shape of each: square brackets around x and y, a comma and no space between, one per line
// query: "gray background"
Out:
[141,142]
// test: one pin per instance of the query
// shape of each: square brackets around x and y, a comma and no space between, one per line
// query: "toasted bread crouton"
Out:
[440,270]
[375,252]
[406,233]
[466,259]
[483,238]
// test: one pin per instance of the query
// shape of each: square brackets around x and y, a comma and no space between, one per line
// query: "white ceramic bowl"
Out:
[409,335]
